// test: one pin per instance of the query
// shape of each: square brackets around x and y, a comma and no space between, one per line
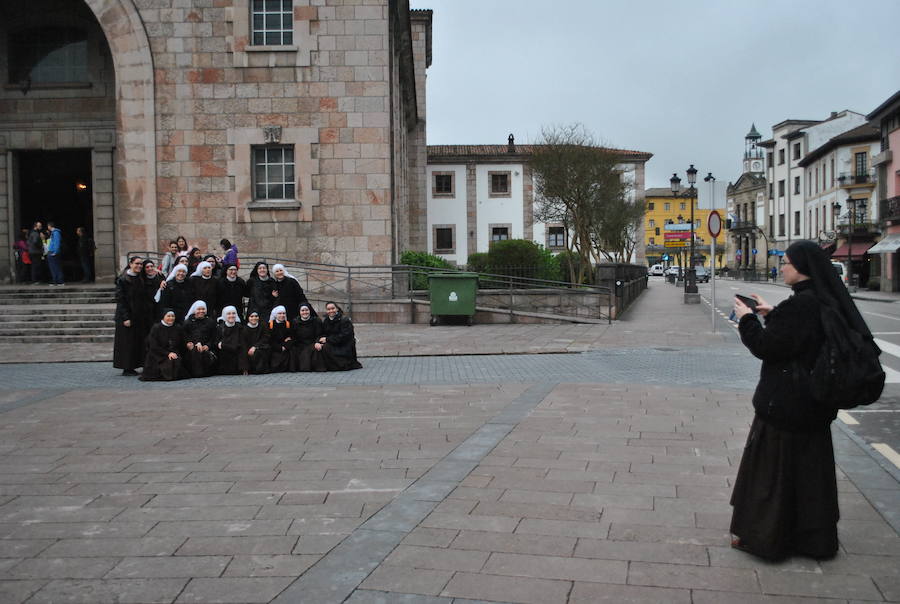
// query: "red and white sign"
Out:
[714,224]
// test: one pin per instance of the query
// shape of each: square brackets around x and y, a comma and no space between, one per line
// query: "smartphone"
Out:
[750,302]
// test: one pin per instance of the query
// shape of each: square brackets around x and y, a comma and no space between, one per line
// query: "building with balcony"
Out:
[886,117]
[791,141]
[840,200]
[745,206]
[664,208]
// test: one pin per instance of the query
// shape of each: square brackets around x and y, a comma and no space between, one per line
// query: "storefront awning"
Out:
[858,251]
[888,245]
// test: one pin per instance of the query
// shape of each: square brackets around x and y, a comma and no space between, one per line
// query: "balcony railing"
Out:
[851,179]
[889,209]
[860,227]
[737,225]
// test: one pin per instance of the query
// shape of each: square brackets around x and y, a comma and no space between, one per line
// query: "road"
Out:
[877,424]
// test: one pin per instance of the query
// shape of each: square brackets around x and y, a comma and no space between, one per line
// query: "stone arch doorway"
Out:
[77,75]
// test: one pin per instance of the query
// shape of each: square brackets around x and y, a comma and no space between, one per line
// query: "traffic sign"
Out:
[753,251]
[714,224]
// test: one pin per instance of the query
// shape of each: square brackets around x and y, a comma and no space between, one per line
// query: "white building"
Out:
[791,141]
[477,194]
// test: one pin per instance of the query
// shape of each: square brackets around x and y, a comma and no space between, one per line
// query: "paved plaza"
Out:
[598,471]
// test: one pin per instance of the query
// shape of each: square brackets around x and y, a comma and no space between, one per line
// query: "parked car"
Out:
[673,270]
[702,274]
[839,269]
[657,270]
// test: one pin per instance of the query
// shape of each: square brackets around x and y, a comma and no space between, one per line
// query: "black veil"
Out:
[809,259]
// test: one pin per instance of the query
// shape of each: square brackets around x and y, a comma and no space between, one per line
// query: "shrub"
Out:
[419,279]
[478,262]
[567,258]
[522,258]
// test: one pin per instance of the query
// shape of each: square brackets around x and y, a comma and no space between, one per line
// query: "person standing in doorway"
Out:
[54,247]
[23,258]
[86,249]
[35,251]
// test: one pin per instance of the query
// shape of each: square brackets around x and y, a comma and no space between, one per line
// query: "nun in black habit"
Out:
[165,346]
[232,289]
[204,286]
[337,344]
[785,495]
[229,343]
[287,290]
[177,294]
[200,336]
[152,280]
[307,331]
[128,342]
[260,287]
[255,345]
[280,339]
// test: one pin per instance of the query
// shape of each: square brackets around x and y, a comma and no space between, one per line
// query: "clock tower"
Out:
[753,154]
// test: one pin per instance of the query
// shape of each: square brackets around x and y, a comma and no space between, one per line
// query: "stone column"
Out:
[7,215]
[104,231]
[471,210]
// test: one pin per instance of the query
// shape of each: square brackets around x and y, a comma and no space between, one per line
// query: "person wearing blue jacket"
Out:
[53,255]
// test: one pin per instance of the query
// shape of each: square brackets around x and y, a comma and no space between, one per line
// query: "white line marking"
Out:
[888,452]
[878,314]
[886,333]
[846,418]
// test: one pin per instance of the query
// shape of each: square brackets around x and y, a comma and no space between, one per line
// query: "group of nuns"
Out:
[166,324]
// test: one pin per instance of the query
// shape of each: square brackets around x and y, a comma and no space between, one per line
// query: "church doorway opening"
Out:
[56,186]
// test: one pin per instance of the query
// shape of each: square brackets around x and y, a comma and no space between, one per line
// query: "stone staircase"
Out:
[37,314]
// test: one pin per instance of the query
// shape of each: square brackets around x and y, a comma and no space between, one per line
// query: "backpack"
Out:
[847,372]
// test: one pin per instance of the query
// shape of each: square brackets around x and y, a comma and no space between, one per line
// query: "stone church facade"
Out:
[295,128]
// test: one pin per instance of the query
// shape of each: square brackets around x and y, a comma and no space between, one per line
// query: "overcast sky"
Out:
[682,80]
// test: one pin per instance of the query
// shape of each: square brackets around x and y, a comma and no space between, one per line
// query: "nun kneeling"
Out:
[165,344]
[337,344]
[200,334]
[307,331]
[254,346]
[229,346]
[280,340]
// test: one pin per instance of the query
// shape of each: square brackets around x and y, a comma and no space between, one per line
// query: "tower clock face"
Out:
[756,166]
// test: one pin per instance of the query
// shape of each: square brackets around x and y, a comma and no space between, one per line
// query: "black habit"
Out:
[162,341]
[280,339]
[291,296]
[261,299]
[339,351]
[304,356]
[178,295]
[229,348]
[128,342]
[206,290]
[256,338]
[200,331]
[232,293]
[785,494]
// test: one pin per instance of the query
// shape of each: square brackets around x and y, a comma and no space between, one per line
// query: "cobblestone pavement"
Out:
[594,477]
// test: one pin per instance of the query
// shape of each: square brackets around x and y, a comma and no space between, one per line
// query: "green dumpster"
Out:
[452,295]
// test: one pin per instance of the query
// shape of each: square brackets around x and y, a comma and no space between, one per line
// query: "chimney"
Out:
[511,144]
[834,114]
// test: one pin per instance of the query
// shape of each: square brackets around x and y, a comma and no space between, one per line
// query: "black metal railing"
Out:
[849,178]
[737,225]
[889,209]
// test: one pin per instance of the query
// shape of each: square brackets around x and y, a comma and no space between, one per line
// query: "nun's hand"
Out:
[251,350]
[762,307]
[173,356]
[220,345]
[190,345]
[127,322]
[162,284]
[322,340]
[318,346]
[275,293]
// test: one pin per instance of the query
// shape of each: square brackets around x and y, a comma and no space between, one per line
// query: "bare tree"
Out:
[579,184]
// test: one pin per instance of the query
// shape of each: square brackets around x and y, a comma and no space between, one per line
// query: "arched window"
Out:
[48,55]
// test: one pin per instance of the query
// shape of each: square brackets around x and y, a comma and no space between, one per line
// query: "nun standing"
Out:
[204,286]
[229,343]
[261,286]
[307,331]
[288,291]
[128,343]
[232,289]
[165,345]
[177,293]
[337,344]
[280,340]
[255,346]
[199,335]
[153,283]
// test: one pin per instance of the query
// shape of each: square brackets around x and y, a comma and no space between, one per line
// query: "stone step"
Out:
[56,339]
[43,324]
[58,309]
[69,287]
[58,331]
[79,318]
[44,300]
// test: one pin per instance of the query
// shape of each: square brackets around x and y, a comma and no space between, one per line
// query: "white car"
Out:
[657,270]
[673,270]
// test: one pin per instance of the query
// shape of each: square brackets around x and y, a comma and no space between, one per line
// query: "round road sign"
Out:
[714,224]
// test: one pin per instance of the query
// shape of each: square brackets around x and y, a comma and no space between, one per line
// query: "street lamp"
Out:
[675,183]
[691,293]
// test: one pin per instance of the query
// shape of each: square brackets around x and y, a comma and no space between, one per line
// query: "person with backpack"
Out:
[785,494]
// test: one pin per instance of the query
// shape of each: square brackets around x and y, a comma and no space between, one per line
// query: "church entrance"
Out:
[56,185]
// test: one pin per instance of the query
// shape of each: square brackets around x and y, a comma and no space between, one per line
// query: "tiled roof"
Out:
[497,151]
[658,192]
[860,134]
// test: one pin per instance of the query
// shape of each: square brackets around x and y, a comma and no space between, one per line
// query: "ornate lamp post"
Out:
[691,294]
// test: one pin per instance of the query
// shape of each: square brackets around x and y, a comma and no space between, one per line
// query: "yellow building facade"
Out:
[664,208]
